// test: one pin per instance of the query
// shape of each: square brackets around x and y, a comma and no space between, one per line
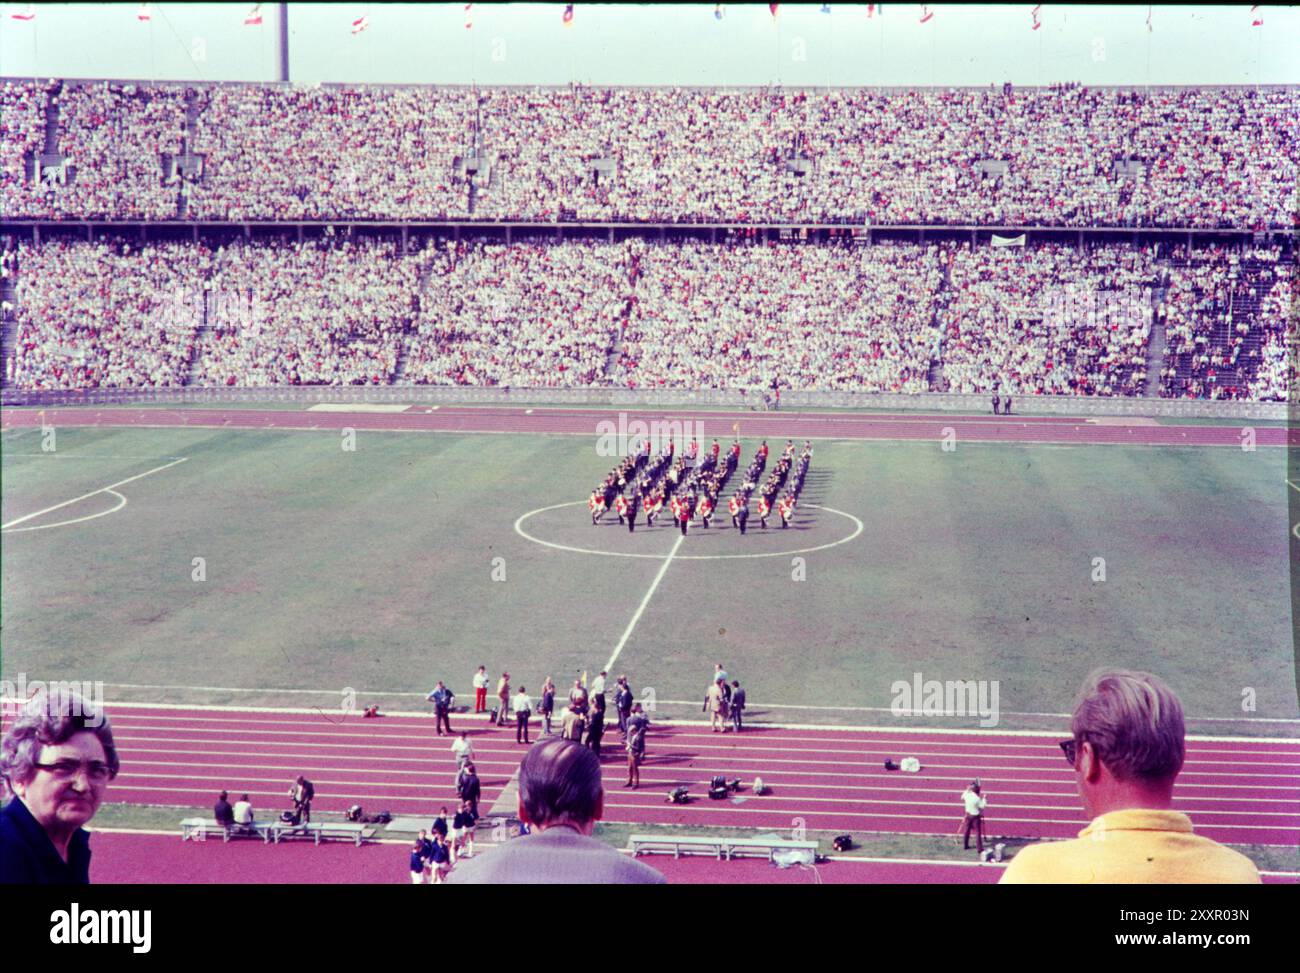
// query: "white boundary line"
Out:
[517,432]
[84,496]
[685,557]
[663,569]
[78,520]
[665,702]
[304,711]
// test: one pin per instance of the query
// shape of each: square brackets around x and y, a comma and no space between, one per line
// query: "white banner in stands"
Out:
[1008,241]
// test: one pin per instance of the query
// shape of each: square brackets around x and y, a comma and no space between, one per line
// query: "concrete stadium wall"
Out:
[628,398]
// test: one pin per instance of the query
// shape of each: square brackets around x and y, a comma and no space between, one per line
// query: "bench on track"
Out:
[196,829]
[720,847]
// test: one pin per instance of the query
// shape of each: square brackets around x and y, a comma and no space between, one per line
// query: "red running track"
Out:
[150,859]
[1239,791]
[811,425]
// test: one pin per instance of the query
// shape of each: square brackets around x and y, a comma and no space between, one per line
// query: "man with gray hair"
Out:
[56,760]
[561,799]
[1126,749]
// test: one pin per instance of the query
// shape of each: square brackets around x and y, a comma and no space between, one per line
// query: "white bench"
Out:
[196,829]
[720,847]
[317,830]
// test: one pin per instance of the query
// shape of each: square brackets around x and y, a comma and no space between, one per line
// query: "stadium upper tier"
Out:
[1061,156]
[1106,319]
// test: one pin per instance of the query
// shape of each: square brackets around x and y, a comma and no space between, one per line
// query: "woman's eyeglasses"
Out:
[96,770]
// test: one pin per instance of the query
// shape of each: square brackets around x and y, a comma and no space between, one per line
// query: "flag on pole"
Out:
[926,15]
[144,13]
[774,7]
[28,14]
[469,16]
[1034,14]
[254,18]
[567,19]
[1257,17]
[717,11]
[826,8]
[360,24]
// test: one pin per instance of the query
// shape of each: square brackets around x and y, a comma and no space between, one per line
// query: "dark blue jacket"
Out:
[27,856]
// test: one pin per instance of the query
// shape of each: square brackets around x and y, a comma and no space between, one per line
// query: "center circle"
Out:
[519,529]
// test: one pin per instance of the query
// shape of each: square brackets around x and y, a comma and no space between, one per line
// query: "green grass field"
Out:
[374,570]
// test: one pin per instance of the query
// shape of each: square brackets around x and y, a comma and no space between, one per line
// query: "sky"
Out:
[660,44]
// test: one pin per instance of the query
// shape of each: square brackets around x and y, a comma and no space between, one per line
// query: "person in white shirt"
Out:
[243,812]
[464,751]
[974,802]
[480,690]
[598,685]
[523,709]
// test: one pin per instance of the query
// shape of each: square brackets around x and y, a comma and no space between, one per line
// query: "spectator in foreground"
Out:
[1127,748]
[560,799]
[56,760]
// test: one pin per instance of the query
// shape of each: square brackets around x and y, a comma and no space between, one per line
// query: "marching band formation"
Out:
[690,485]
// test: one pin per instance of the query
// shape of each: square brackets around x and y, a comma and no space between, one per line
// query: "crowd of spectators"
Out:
[738,316]
[718,316]
[327,312]
[22,135]
[524,314]
[311,152]
[1225,316]
[1064,155]
[107,314]
[1048,319]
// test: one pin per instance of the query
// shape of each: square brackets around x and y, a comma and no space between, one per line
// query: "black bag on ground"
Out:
[353,813]
[718,789]
[842,842]
[291,817]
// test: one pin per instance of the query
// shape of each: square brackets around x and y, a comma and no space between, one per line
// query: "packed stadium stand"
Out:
[173,300]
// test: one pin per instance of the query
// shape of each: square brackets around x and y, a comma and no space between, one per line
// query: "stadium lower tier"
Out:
[1111,319]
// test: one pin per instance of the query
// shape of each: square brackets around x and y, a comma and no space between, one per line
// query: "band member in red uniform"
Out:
[762,451]
[706,510]
[620,507]
[785,507]
[716,450]
[764,508]
[684,513]
[596,504]
[733,508]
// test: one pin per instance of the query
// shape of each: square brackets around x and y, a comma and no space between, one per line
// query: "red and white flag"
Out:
[774,7]
[1257,18]
[1034,14]
[28,14]
[926,15]
[567,19]
[360,24]
[469,16]
[254,18]
[144,14]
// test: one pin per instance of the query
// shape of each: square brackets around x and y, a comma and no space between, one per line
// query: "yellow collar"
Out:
[1138,819]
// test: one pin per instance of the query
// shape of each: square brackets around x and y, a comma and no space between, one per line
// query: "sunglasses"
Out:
[96,770]
[1071,747]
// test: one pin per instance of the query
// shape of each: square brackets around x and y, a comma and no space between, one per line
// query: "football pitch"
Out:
[277,568]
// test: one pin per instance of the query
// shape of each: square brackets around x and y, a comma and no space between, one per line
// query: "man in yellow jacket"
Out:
[1127,749]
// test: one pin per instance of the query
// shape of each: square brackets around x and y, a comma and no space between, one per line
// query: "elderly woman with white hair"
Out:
[56,760]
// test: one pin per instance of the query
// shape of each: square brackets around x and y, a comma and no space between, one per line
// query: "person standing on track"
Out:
[302,792]
[469,787]
[480,690]
[503,699]
[523,707]
[546,705]
[442,698]
[636,728]
[974,802]
[737,703]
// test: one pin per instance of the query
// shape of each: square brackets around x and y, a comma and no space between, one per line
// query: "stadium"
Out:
[330,373]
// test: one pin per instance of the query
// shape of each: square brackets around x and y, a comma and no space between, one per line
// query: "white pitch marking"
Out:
[1293,484]
[663,568]
[84,496]
[685,557]
[78,520]
[528,412]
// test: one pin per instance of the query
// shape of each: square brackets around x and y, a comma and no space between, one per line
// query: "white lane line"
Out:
[85,496]
[78,520]
[663,702]
[1293,484]
[663,569]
